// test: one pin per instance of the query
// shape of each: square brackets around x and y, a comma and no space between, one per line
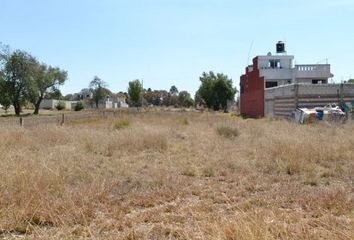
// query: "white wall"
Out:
[51,104]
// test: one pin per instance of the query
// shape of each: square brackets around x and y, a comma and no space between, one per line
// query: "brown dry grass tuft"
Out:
[164,179]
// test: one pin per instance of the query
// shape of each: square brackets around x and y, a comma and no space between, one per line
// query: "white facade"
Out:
[279,70]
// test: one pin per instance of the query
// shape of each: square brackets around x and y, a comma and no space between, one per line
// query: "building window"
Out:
[319,81]
[274,63]
[271,84]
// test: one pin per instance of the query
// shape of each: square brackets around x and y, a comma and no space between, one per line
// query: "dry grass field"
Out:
[177,175]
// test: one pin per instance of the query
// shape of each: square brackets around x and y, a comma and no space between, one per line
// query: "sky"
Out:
[171,42]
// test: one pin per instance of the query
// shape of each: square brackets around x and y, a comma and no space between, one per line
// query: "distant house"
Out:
[83,94]
[120,99]
[111,101]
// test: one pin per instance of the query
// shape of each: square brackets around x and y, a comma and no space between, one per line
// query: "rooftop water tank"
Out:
[280,47]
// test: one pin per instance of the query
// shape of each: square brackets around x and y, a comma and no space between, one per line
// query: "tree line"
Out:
[137,96]
[214,92]
[24,80]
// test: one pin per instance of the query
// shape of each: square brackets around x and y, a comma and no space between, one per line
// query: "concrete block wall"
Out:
[282,100]
[280,91]
[279,100]
[348,89]
[318,89]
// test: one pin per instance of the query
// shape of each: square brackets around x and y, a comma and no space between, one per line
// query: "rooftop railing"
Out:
[312,67]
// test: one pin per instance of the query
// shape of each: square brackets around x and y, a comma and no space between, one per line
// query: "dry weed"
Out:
[162,179]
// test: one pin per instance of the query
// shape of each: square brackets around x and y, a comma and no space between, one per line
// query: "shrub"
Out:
[208,172]
[190,172]
[188,102]
[227,131]
[60,106]
[184,121]
[121,123]
[79,106]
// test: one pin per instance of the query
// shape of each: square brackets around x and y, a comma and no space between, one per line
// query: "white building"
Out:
[280,70]
[274,86]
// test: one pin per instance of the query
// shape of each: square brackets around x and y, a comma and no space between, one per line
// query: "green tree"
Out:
[99,90]
[135,91]
[173,96]
[47,80]
[54,94]
[19,72]
[184,99]
[68,97]
[79,106]
[5,98]
[173,90]
[351,81]
[215,90]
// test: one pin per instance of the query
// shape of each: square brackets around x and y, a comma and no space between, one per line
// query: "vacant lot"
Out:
[164,175]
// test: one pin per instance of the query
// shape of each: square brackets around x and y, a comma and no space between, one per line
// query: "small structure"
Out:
[83,94]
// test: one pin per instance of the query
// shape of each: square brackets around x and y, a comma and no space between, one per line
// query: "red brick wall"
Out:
[252,93]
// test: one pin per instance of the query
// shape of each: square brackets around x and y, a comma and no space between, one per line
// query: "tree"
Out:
[18,73]
[68,97]
[173,90]
[24,79]
[184,99]
[149,96]
[5,98]
[173,96]
[99,90]
[135,91]
[215,90]
[351,81]
[47,80]
[54,94]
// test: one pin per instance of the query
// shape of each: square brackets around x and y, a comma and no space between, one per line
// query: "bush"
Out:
[188,102]
[208,172]
[184,121]
[60,106]
[121,123]
[79,106]
[227,131]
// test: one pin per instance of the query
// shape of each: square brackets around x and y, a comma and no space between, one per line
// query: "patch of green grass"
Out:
[184,121]
[208,172]
[14,115]
[121,123]
[227,131]
[190,172]
[83,121]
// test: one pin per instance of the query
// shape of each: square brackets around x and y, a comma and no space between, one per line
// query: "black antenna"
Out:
[249,52]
